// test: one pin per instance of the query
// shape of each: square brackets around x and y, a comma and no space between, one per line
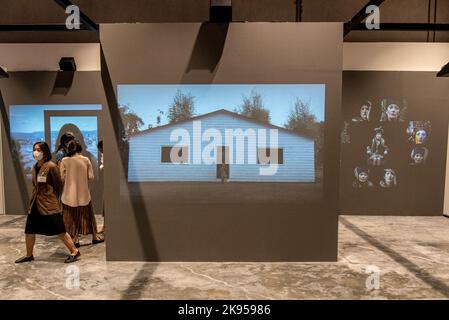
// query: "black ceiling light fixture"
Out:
[444,72]
[65,75]
[220,11]
[67,64]
[3,72]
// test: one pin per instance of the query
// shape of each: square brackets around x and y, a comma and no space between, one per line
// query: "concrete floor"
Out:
[411,254]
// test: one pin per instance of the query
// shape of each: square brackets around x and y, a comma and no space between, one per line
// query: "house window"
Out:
[171,154]
[264,156]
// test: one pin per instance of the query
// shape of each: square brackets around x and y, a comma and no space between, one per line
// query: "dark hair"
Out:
[418,150]
[100,145]
[74,147]
[366,103]
[66,137]
[45,150]
[359,170]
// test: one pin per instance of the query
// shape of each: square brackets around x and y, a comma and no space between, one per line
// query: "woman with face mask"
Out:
[44,216]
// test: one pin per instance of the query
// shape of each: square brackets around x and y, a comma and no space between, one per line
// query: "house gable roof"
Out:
[217,112]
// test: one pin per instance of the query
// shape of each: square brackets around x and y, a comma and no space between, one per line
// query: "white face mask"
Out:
[38,155]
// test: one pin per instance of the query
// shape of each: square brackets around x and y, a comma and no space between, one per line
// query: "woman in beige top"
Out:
[76,171]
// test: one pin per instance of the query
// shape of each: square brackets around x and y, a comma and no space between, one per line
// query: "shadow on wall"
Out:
[15,157]
[139,209]
[208,50]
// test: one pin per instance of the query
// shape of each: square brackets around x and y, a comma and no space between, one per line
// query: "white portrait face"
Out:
[364,112]
[363,177]
[389,177]
[393,111]
[418,158]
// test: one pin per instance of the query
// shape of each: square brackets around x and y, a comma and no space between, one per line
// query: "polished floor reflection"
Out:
[410,253]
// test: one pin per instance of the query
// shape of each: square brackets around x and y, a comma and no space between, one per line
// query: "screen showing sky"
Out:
[279,99]
[30,118]
[27,126]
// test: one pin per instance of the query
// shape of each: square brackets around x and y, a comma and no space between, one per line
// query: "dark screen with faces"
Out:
[393,147]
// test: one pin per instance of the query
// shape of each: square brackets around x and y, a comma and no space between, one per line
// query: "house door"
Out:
[223,162]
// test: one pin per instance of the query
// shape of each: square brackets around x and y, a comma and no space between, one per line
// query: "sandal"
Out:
[25,259]
[73,258]
[97,241]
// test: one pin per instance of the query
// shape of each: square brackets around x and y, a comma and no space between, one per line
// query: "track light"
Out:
[444,71]
[3,72]
[220,11]
[64,77]
[67,64]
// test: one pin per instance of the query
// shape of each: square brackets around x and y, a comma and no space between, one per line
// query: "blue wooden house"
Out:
[150,152]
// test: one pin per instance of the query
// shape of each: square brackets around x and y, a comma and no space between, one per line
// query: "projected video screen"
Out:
[33,123]
[224,133]
[382,141]
[394,142]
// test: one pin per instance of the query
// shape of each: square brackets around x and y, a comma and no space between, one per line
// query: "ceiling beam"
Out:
[38,27]
[360,16]
[86,23]
[405,27]
[85,20]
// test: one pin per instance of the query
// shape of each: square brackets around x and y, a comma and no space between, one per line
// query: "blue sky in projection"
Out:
[30,118]
[145,100]
[27,126]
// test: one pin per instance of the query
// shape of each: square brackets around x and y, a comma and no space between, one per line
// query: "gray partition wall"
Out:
[34,89]
[177,224]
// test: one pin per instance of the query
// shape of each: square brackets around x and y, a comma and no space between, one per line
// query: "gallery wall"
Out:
[405,72]
[395,56]
[183,226]
[34,89]
[21,57]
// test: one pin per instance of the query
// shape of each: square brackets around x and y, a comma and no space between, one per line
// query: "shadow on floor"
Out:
[138,284]
[426,277]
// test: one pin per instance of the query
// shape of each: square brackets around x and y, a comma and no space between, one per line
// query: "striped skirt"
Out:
[79,220]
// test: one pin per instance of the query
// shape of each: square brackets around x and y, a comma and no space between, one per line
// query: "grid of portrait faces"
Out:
[385,144]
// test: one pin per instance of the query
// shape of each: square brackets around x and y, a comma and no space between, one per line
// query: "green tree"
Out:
[182,107]
[301,120]
[16,150]
[159,117]
[131,121]
[17,155]
[253,108]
